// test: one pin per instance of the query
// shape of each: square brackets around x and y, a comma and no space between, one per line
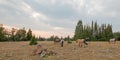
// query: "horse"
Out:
[112,41]
[56,41]
[81,42]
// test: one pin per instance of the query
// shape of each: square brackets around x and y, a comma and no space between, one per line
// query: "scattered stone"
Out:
[46,53]
[106,51]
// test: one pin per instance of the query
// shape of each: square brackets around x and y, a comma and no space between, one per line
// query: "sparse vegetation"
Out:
[22,51]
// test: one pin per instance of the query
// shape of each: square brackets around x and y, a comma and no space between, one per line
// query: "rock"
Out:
[106,51]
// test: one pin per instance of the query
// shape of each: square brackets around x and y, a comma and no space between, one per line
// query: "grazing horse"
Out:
[56,41]
[112,41]
[81,42]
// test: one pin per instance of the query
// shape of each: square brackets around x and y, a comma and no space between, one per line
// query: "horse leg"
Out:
[114,42]
[85,43]
[78,44]
[81,45]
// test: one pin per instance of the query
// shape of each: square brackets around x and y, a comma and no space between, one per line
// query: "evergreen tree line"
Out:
[23,35]
[19,35]
[95,32]
[53,38]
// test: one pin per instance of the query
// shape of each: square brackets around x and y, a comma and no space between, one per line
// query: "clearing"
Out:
[94,51]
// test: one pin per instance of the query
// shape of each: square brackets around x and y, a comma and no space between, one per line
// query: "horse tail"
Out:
[84,41]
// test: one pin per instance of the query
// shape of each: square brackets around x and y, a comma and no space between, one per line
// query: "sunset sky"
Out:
[58,17]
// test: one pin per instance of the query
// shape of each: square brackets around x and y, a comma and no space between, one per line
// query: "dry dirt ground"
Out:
[94,51]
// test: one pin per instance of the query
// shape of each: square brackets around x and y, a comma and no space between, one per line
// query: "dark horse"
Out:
[56,41]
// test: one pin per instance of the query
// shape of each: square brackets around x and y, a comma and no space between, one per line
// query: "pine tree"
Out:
[69,40]
[117,35]
[2,35]
[79,30]
[29,35]
[13,34]
[95,31]
[33,41]
[88,32]
[92,27]
[109,33]
[99,33]
[21,35]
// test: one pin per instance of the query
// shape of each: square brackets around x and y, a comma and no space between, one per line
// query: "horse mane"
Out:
[78,40]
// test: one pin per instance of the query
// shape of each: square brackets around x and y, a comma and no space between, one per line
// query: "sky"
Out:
[58,17]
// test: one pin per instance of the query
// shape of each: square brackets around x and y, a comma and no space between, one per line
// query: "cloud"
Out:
[58,28]
[32,13]
[58,16]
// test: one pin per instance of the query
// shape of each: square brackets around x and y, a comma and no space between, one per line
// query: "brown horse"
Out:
[81,42]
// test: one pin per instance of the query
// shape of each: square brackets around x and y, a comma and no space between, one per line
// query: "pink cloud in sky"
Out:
[47,34]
